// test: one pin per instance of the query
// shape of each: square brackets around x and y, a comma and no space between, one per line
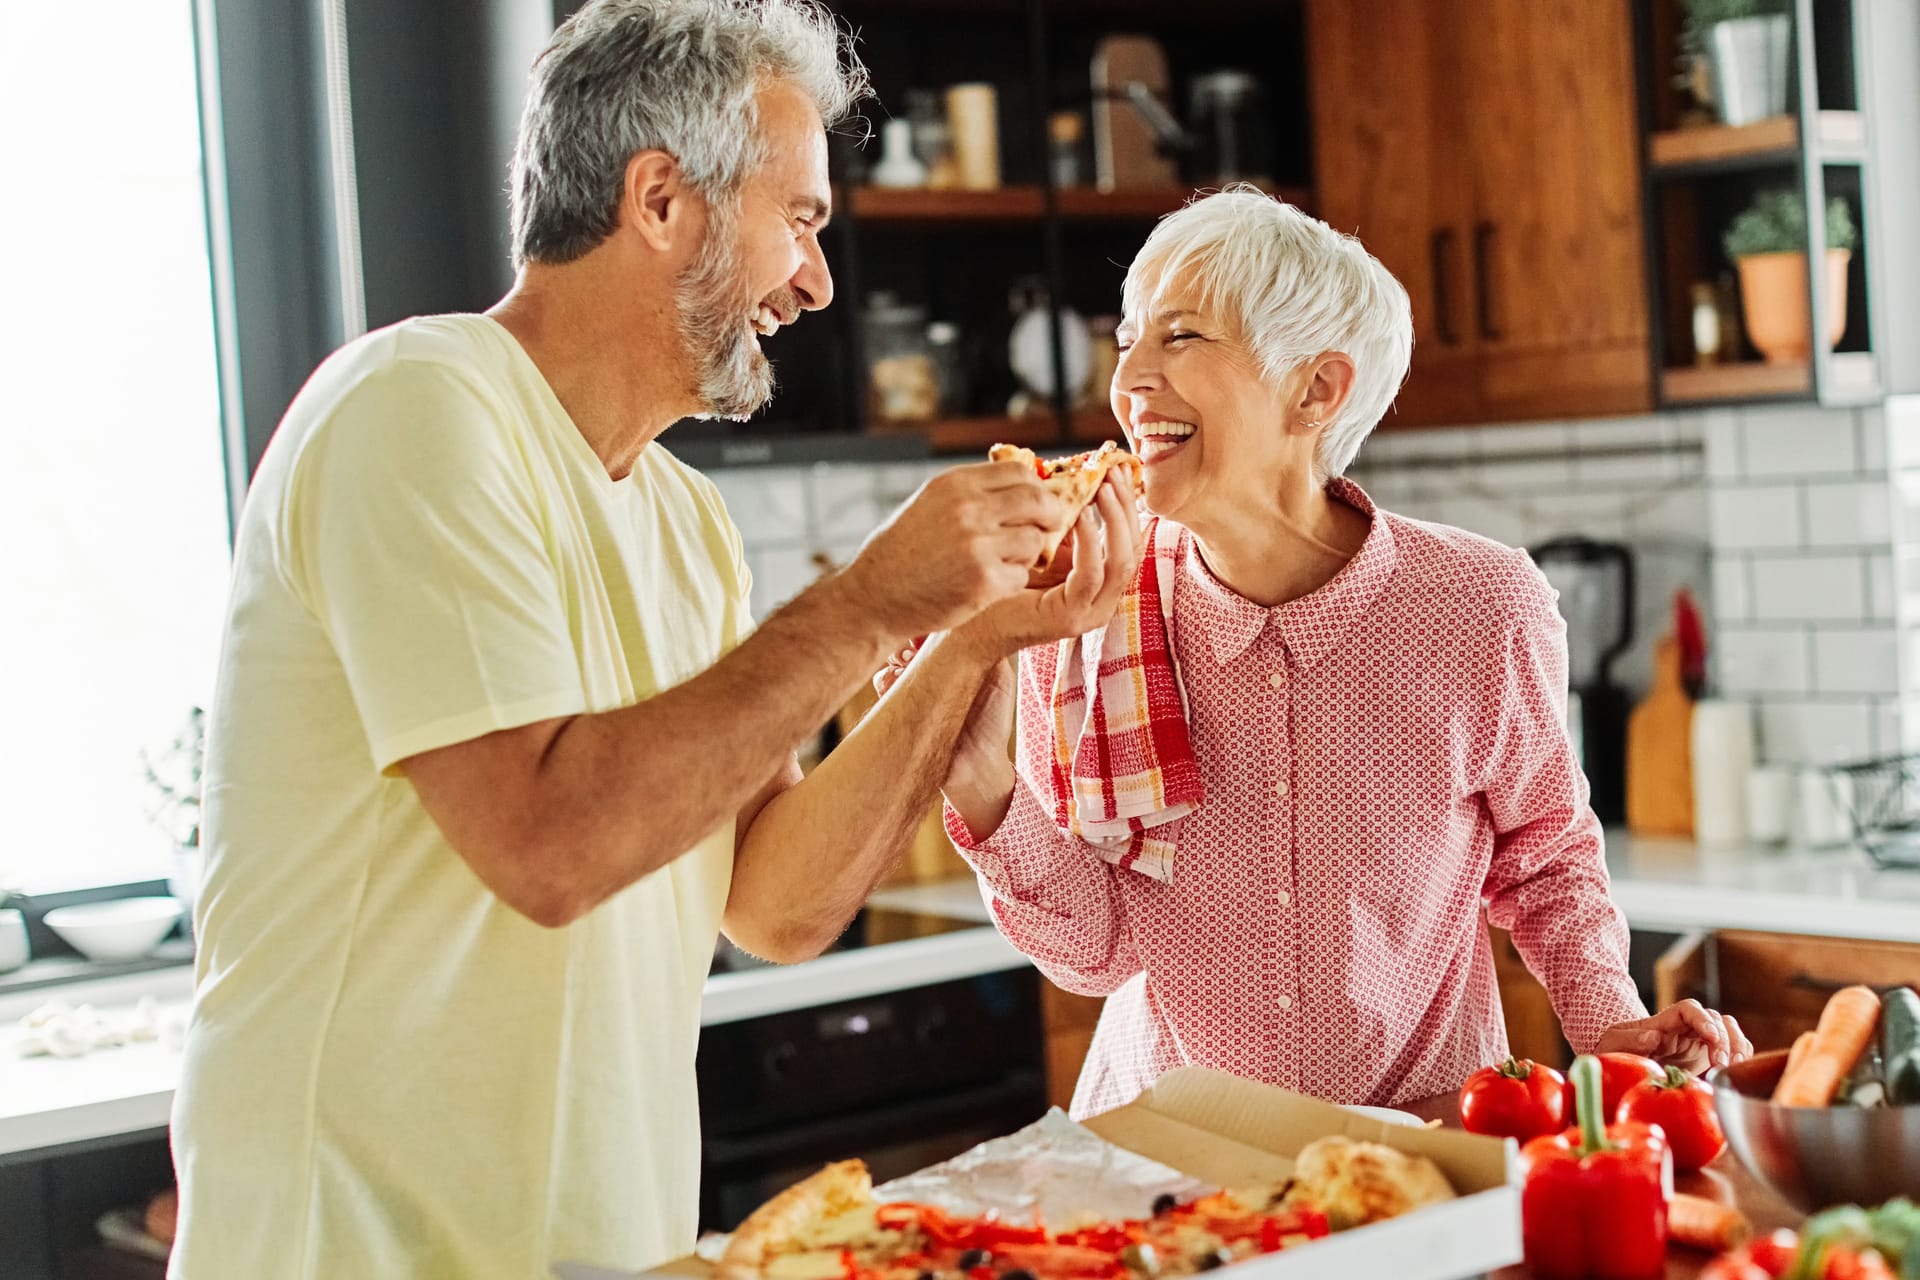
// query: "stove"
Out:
[902,1080]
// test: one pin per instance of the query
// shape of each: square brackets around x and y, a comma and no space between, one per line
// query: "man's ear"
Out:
[1324,390]
[656,201]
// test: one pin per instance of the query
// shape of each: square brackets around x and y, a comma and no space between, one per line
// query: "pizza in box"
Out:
[832,1227]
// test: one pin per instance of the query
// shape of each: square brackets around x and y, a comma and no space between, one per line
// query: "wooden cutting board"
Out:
[1124,156]
[1660,752]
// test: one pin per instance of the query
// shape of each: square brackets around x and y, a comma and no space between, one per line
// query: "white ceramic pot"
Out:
[14,951]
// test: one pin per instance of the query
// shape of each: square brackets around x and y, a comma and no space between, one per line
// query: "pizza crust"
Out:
[792,1221]
[1076,480]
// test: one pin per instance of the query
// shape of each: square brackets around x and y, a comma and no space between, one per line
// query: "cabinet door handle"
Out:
[1482,286]
[1440,247]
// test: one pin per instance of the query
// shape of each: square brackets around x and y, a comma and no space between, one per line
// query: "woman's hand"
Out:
[1685,1034]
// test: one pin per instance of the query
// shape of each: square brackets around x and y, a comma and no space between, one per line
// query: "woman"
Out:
[1376,708]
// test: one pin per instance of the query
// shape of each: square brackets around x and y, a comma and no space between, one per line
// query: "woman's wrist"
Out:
[981,793]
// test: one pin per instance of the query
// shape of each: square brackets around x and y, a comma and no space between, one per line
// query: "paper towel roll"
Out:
[1722,759]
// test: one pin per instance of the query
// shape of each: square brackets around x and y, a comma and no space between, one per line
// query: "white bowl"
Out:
[123,929]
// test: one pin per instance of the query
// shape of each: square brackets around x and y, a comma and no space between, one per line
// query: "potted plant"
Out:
[1745,44]
[14,950]
[174,777]
[1768,242]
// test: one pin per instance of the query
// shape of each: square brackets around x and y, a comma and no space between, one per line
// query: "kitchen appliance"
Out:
[1596,584]
[902,1080]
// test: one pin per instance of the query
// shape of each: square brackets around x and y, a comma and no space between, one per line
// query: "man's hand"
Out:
[963,542]
[1686,1035]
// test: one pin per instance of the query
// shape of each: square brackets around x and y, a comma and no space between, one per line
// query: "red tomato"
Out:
[1517,1099]
[1683,1106]
[1737,1265]
[1774,1254]
[1846,1263]
[1619,1072]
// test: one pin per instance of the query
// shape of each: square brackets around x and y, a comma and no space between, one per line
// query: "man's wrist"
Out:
[839,605]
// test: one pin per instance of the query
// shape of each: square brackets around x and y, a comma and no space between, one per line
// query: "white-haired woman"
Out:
[1375,706]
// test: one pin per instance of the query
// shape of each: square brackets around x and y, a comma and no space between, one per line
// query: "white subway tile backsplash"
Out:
[1527,477]
[1883,598]
[844,503]
[1797,440]
[1726,459]
[1490,519]
[1598,515]
[1534,437]
[1732,595]
[1763,661]
[1685,428]
[1863,661]
[1870,424]
[1889,727]
[1808,589]
[1619,433]
[1848,513]
[1903,430]
[1825,732]
[769,506]
[1755,517]
[1626,471]
[779,574]
[1676,512]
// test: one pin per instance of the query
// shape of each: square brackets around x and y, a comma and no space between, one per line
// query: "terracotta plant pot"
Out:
[1773,303]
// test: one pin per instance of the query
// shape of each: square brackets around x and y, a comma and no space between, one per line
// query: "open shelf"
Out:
[1745,380]
[1021,203]
[977,435]
[1723,148]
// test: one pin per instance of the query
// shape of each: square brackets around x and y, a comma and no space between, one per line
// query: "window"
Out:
[113,492]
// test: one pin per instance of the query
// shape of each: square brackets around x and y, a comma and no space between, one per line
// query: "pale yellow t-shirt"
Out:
[389,1072]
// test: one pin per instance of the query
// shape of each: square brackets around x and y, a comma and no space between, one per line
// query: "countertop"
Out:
[119,1093]
[1665,885]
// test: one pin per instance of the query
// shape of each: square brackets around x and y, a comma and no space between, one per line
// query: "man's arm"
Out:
[559,815]
[811,856]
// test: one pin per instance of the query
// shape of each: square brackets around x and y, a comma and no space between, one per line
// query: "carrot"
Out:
[1700,1223]
[1846,1028]
[1799,1051]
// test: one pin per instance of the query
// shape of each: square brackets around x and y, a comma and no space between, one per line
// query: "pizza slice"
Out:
[1076,480]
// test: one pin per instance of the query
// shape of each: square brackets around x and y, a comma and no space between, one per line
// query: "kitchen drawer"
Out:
[1069,1020]
[1777,983]
[1533,1029]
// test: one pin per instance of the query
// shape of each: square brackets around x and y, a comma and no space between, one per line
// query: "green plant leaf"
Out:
[1776,222]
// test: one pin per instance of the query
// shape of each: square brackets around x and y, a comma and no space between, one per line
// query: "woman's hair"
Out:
[1294,288]
[680,76]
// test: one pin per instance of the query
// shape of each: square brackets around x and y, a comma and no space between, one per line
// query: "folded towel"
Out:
[1123,766]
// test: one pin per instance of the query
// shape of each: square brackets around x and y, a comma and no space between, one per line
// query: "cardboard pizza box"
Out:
[1232,1132]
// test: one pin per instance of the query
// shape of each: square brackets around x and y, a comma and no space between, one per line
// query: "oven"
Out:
[902,1080]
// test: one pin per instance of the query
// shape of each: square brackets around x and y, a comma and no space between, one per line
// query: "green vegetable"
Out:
[1900,1045]
[1896,1234]
[1846,1224]
[1776,222]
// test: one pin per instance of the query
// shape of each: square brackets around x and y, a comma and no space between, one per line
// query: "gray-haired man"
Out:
[494,757]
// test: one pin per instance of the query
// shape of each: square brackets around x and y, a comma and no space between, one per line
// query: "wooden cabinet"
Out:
[1485,151]
[1775,984]
[1533,1029]
[1069,1020]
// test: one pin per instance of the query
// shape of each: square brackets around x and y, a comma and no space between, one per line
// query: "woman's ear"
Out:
[1323,391]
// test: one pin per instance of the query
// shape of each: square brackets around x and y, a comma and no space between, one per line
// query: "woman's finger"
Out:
[1089,570]
[1742,1048]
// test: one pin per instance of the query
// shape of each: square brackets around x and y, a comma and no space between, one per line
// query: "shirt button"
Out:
[1285,899]
[1286,1002]
[1277,679]
[1281,789]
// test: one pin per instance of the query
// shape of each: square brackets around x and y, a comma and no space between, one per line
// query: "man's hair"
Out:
[679,76]
[1294,288]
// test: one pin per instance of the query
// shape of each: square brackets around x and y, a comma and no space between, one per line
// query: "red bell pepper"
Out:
[1595,1200]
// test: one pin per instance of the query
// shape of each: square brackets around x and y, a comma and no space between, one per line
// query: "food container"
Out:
[1813,1157]
[903,382]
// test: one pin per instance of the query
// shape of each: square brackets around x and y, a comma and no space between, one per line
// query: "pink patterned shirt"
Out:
[1385,760]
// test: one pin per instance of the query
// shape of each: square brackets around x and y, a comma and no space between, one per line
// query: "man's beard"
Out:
[734,379]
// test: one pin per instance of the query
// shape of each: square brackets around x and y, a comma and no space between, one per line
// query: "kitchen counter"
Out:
[127,1092]
[1674,886]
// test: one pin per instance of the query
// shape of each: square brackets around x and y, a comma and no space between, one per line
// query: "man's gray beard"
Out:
[734,378]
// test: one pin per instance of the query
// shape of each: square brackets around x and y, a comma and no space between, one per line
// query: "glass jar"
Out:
[902,383]
[943,340]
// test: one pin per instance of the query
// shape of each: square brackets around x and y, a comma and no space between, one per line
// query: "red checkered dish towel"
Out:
[1123,766]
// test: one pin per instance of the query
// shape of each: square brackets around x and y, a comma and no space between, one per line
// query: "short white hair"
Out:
[1295,289]
[680,76]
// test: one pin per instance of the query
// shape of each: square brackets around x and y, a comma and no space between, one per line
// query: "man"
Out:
[493,758]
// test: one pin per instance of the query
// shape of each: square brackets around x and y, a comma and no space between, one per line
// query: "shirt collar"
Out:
[1310,627]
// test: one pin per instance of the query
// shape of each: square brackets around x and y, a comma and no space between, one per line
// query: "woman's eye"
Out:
[1124,346]
[1180,337]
